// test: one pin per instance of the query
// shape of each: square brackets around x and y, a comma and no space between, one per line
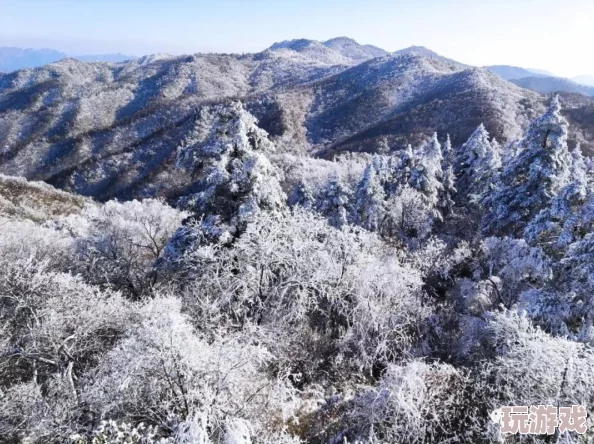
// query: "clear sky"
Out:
[546,34]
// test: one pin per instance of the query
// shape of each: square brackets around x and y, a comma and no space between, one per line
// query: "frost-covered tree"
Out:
[562,222]
[477,165]
[400,168]
[342,295]
[383,146]
[510,151]
[334,202]
[411,404]
[302,196]
[408,217]
[531,367]
[117,243]
[227,153]
[446,196]
[532,178]
[370,198]
[511,266]
[54,328]
[427,175]
[175,378]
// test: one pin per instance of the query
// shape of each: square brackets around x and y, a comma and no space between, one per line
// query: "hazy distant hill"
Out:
[553,84]
[13,59]
[112,130]
[543,81]
[514,72]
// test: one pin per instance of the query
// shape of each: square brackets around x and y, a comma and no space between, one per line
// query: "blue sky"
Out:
[546,34]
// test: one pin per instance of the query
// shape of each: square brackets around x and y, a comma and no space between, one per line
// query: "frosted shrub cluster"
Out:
[391,298]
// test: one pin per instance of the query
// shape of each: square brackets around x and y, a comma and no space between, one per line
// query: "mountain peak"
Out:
[295,44]
[340,39]
[350,48]
[426,52]
[338,50]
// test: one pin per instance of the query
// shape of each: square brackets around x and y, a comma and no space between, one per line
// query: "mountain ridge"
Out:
[509,72]
[112,130]
[553,84]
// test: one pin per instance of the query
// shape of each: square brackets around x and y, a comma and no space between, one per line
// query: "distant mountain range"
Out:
[543,81]
[337,51]
[13,59]
[553,84]
[112,130]
[515,72]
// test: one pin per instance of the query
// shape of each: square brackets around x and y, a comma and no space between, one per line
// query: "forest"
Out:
[396,297]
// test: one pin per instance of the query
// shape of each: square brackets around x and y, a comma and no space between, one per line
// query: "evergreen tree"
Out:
[370,198]
[302,196]
[477,164]
[401,166]
[235,178]
[426,175]
[383,147]
[334,202]
[510,151]
[446,198]
[533,178]
[558,225]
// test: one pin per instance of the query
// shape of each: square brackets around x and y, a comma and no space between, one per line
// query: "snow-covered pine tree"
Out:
[476,166]
[533,177]
[334,202]
[510,151]
[302,195]
[426,175]
[400,168]
[448,192]
[558,225]
[383,146]
[227,152]
[370,198]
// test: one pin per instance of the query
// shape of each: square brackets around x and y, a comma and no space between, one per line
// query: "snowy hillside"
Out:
[321,243]
[399,297]
[112,130]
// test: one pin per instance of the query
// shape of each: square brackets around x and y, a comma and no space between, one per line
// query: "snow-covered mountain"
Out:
[112,130]
[353,50]
[425,52]
[337,51]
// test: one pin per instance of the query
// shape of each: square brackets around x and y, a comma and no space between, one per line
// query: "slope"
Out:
[112,130]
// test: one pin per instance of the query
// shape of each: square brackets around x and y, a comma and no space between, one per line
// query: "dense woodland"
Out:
[391,298]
